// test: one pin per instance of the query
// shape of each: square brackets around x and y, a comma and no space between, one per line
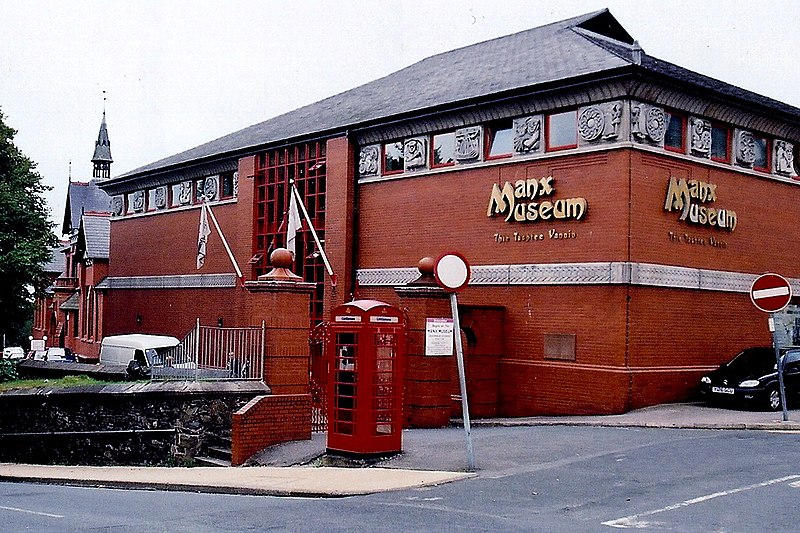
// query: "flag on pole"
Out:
[202,237]
[294,223]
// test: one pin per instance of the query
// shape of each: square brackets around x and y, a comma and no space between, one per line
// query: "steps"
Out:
[218,451]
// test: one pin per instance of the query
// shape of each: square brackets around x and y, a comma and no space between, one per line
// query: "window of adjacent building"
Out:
[562,131]
[227,185]
[674,136]
[393,157]
[499,139]
[761,146]
[720,143]
[444,149]
[560,346]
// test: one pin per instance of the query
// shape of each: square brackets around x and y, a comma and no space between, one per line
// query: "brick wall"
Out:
[269,420]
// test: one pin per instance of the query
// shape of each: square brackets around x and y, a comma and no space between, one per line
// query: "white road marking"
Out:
[634,520]
[30,512]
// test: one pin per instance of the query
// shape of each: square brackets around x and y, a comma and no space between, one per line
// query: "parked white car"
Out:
[13,352]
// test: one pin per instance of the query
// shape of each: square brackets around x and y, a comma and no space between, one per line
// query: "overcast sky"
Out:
[180,73]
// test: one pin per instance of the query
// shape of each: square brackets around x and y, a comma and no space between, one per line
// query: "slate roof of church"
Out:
[84,197]
[590,45]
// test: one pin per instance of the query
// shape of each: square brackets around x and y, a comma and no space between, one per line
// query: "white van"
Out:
[146,350]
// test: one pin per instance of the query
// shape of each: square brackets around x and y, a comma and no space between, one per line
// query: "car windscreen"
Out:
[755,360]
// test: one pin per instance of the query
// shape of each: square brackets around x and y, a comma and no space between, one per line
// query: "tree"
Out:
[26,237]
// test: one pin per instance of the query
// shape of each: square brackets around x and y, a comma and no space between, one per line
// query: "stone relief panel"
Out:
[185,193]
[745,148]
[117,206]
[700,137]
[137,202]
[784,158]
[235,184]
[416,153]
[528,135]
[600,123]
[469,144]
[160,197]
[369,161]
[211,188]
[648,124]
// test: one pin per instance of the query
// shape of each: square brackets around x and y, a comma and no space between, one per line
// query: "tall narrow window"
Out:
[444,149]
[393,161]
[761,147]
[675,135]
[720,144]
[562,131]
[499,139]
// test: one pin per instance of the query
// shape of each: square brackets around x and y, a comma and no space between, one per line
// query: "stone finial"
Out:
[425,266]
[281,260]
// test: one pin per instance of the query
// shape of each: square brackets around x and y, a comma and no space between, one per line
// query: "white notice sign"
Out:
[438,336]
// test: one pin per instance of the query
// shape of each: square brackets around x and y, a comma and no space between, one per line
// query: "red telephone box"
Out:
[365,381]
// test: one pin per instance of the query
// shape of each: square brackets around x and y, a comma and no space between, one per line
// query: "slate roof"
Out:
[102,148]
[84,198]
[71,303]
[58,261]
[583,47]
[93,236]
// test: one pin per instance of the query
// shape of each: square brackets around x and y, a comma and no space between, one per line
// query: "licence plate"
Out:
[722,390]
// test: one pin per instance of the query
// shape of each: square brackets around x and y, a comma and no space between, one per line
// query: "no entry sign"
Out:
[771,293]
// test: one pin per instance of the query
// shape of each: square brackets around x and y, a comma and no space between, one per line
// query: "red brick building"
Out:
[614,208]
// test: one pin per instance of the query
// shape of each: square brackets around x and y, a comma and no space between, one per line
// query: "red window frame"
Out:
[767,153]
[383,159]
[491,130]
[677,149]
[554,148]
[433,149]
[222,178]
[728,143]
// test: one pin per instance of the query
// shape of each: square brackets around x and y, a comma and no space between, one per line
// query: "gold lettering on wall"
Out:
[519,202]
[687,196]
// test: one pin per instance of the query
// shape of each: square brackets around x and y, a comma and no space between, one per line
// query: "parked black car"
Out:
[751,378]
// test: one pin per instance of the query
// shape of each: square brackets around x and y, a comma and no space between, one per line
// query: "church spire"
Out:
[102,152]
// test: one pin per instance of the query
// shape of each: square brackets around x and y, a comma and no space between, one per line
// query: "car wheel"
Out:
[773,399]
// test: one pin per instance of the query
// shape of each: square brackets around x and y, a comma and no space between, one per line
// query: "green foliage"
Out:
[8,370]
[26,236]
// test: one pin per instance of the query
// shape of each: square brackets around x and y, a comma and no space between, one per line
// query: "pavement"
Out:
[297,469]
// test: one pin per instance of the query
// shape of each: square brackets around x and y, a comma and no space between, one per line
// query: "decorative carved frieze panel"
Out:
[185,193]
[211,188]
[469,144]
[784,158]
[160,197]
[528,135]
[745,148]
[601,122]
[700,137]
[137,201]
[415,151]
[369,160]
[648,124]
[235,184]
[118,206]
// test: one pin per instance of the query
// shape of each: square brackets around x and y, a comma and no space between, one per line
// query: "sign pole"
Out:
[779,365]
[462,379]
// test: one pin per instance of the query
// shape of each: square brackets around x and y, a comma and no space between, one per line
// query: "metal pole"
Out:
[224,240]
[462,380]
[313,231]
[779,365]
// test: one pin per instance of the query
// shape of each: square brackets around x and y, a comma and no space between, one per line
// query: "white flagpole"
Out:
[224,240]
[313,231]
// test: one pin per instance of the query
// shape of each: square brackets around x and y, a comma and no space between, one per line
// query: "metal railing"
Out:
[214,353]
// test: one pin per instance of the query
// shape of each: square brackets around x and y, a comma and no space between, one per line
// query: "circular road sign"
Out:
[771,293]
[452,271]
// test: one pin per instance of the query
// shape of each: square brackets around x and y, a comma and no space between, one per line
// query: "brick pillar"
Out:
[339,220]
[428,380]
[281,300]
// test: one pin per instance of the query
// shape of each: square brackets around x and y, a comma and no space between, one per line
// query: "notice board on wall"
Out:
[438,336]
